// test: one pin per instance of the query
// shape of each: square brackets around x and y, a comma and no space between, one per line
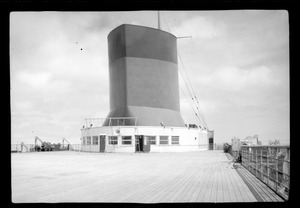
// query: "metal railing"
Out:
[270,164]
[111,121]
[22,148]
[31,147]
[76,147]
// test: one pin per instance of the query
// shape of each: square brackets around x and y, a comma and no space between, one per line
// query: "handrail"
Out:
[270,164]
[120,121]
[30,147]
[23,145]
[64,139]
[275,146]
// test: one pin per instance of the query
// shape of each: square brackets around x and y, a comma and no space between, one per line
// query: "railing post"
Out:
[261,164]
[276,169]
[254,160]
[288,159]
[248,158]
[268,170]
[257,162]
[251,152]
[244,157]
[256,166]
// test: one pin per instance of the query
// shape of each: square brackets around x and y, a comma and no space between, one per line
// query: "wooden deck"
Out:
[141,178]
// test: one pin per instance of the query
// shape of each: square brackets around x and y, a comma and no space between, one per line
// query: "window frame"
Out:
[93,140]
[88,140]
[109,139]
[172,142]
[151,139]
[126,140]
[160,139]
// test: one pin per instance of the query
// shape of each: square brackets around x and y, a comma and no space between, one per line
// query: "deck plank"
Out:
[213,194]
[193,186]
[258,188]
[264,191]
[206,192]
[220,189]
[143,178]
[177,190]
[199,185]
[234,182]
[231,193]
[185,188]
[226,197]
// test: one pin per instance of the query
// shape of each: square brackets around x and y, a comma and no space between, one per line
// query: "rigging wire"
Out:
[186,73]
[192,94]
[191,106]
[197,115]
[201,114]
[195,83]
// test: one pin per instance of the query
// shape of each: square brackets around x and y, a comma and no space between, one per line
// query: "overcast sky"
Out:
[237,61]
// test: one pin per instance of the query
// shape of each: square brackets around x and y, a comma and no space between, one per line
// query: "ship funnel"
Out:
[143,76]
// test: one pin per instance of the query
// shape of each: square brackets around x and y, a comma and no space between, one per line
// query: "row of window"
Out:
[87,140]
[127,140]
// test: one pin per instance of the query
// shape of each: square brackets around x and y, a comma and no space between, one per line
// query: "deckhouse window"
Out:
[88,141]
[175,139]
[126,140]
[95,140]
[152,139]
[112,140]
[163,140]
